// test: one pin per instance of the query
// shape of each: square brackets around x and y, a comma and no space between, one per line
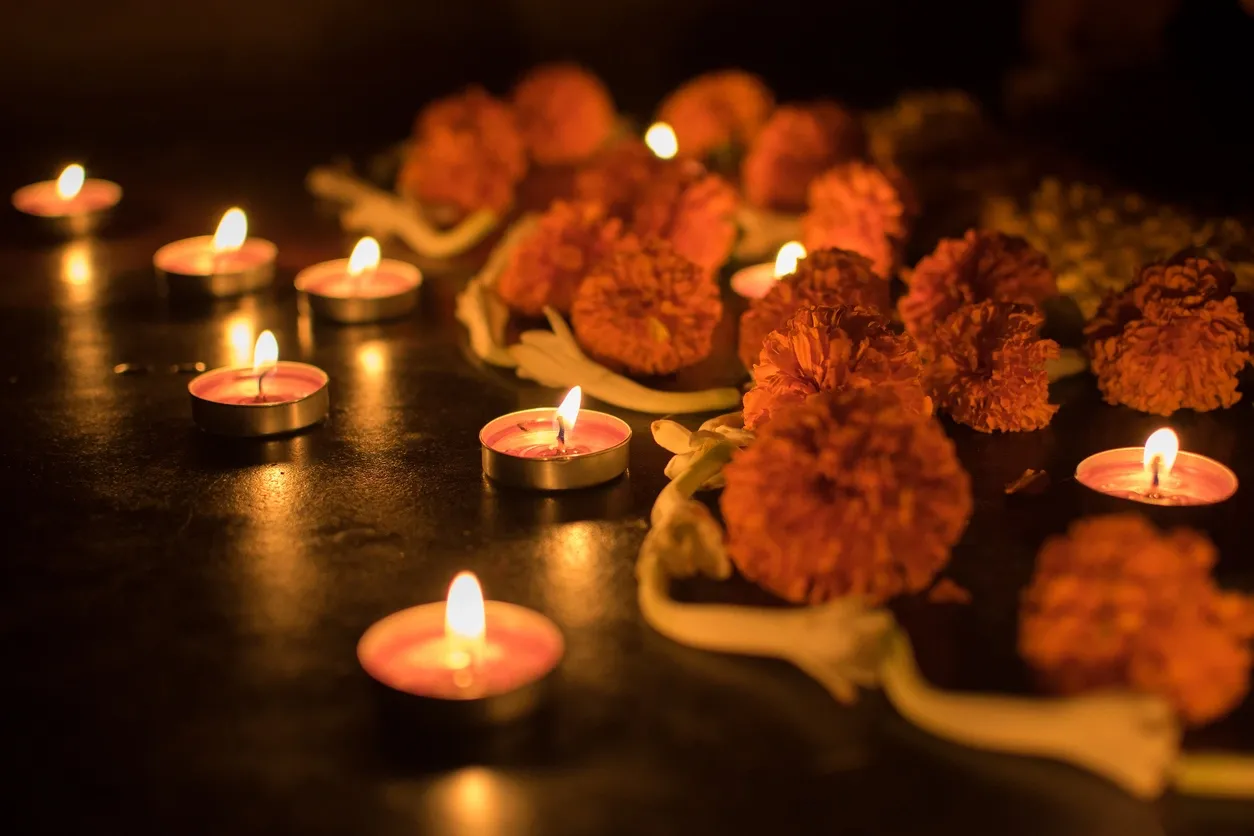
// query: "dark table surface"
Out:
[181,611]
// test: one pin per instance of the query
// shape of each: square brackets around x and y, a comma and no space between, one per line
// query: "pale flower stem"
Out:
[1216,774]
[478,307]
[1128,739]
[383,213]
[555,359]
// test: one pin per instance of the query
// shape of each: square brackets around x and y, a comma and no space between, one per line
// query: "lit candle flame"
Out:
[464,619]
[70,183]
[1162,445]
[568,412]
[265,352]
[365,257]
[786,260]
[661,139]
[232,231]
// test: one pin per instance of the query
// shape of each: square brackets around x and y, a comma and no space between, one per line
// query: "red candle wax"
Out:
[1192,480]
[41,199]
[533,434]
[331,278]
[196,256]
[409,652]
[755,281]
[284,382]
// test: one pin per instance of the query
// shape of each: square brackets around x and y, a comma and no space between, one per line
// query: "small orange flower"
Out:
[1115,603]
[981,265]
[547,268]
[466,153]
[848,493]
[717,109]
[693,210]
[647,310]
[797,144]
[989,370]
[856,206]
[1174,339]
[565,113]
[616,176]
[829,349]
[824,277]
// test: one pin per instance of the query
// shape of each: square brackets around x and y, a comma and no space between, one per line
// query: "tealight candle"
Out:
[72,203]
[226,263]
[360,288]
[555,449]
[756,281]
[268,398]
[473,659]
[1158,474]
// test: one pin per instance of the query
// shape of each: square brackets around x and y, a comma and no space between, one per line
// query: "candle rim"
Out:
[519,617]
[551,411]
[324,380]
[1186,460]
[339,267]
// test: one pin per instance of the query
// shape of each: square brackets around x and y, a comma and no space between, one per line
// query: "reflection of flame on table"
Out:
[475,801]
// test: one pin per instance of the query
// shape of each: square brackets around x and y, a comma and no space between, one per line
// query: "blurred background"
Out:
[1127,82]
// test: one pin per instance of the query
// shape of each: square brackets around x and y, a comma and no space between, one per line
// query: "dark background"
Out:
[77,76]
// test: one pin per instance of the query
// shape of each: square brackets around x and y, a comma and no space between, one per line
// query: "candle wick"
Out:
[261,394]
[1155,465]
[561,434]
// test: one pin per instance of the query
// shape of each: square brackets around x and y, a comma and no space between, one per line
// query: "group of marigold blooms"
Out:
[852,486]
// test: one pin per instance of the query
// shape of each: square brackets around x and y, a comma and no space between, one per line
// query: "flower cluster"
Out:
[615,177]
[981,265]
[467,153]
[856,206]
[717,109]
[1174,339]
[548,266]
[564,112]
[824,277]
[1115,603]
[830,349]
[988,368]
[796,144]
[647,310]
[693,210]
[849,493]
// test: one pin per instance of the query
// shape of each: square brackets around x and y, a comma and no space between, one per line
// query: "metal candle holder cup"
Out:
[254,420]
[556,472]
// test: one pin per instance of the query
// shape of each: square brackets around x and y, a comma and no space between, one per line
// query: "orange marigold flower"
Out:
[466,153]
[1115,603]
[856,206]
[981,265]
[616,176]
[647,309]
[565,113]
[989,370]
[828,349]
[550,264]
[797,144]
[1173,339]
[824,277]
[848,493]
[716,109]
[693,210]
